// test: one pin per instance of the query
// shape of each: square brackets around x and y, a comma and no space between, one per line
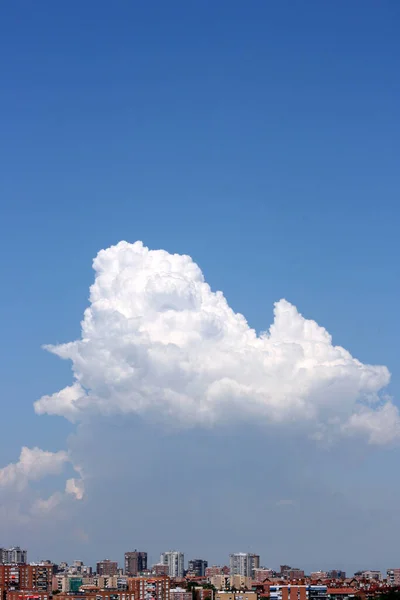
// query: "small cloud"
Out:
[286,502]
[75,487]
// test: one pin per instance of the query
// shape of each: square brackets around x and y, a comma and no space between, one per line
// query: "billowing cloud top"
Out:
[157,341]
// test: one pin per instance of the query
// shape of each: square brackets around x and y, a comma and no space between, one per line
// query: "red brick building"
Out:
[27,595]
[33,577]
[97,595]
[149,588]
[160,569]
[107,567]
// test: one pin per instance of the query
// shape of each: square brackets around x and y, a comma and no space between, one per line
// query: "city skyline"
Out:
[244,564]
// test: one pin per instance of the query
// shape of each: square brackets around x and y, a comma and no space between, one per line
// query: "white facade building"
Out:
[13,556]
[243,563]
[175,561]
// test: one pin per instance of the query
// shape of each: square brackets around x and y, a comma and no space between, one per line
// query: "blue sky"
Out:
[261,139]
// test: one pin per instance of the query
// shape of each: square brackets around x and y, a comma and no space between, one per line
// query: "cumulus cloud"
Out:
[33,465]
[20,501]
[382,424]
[158,342]
[75,487]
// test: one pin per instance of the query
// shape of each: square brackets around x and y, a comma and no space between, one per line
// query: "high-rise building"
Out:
[13,556]
[107,567]
[197,566]
[135,562]
[243,563]
[175,562]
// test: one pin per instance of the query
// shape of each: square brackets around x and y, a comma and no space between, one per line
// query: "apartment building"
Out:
[243,563]
[393,576]
[107,567]
[160,569]
[179,593]
[197,566]
[175,561]
[135,562]
[298,592]
[247,595]
[261,574]
[13,555]
[37,577]
[149,588]
[97,595]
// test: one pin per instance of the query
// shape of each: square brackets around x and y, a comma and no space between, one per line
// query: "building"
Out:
[393,576]
[180,594]
[160,569]
[197,566]
[13,556]
[78,568]
[37,577]
[149,588]
[298,592]
[220,582]
[214,570]
[240,582]
[317,592]
[236,595]
[107,567]
[370,575]
[27,595]
[336,574]
[200,593]
[135,562]
[40,576]
[295,574]
[175,561]
[262,574]
[243,563]
[255,562]
[315,575]
[337,593]
[96,594]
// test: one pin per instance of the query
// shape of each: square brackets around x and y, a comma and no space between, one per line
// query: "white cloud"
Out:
[17,496]
[285,502]
[157,341]
[75,487]
[42,506]
[33,465]
[381,424]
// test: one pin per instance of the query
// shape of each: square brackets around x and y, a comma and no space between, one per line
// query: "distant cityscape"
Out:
[243,578]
